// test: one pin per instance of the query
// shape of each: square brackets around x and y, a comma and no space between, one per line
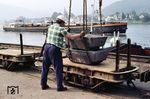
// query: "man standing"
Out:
[52,52]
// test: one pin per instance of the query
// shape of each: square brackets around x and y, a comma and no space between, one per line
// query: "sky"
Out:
[47,7]
[30,4]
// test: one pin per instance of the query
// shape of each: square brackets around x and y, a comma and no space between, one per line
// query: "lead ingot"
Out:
[88,42]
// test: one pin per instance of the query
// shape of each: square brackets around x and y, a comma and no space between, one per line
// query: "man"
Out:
[52,52]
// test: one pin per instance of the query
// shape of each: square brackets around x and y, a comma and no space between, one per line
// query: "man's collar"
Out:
[57,24]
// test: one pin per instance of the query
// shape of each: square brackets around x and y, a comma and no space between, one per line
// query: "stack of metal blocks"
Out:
[88,50]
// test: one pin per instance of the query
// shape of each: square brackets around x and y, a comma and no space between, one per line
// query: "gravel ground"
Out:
[29,88]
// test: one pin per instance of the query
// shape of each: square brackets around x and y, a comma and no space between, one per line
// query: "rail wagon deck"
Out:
[93,76]
[10,58]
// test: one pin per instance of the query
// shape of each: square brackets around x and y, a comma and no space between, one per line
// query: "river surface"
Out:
[138,33]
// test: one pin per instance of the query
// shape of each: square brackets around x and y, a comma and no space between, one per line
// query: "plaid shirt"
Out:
[56,35]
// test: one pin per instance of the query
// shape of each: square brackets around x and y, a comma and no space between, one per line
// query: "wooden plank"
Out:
[100,78]
[16,52]
[107,66]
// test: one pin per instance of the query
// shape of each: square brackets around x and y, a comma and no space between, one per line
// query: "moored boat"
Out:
[138,53]
[135,50]
[102,28]
[25,28]
[76,28]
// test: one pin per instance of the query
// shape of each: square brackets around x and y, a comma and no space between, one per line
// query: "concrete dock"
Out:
[28,83]
[25,84]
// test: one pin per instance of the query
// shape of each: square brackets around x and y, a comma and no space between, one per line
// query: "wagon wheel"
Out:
[52,69]
[0,62]
[98,85]
[28,64]
[8,65]
[131,84]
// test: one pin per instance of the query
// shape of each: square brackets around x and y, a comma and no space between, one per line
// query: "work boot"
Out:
[45,87]
[62,89]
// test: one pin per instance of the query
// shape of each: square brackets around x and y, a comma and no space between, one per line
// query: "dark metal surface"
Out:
[117,55]
[88,57]
[129,54]
[21,44]
[88,42]
[144,76]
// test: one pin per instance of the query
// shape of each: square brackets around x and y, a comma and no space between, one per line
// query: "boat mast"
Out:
[100,14]
[84,15]
[69,13]
[92,6]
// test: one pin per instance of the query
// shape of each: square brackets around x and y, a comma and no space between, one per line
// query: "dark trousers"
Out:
[52,55]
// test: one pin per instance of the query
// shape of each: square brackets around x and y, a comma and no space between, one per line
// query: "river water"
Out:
[138,33]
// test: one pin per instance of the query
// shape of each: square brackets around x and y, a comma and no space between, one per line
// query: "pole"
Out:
[21,44]
[129,54]
[91,30]
[69,13]
[86,13]
[100,14]
[117,55]
[83,15]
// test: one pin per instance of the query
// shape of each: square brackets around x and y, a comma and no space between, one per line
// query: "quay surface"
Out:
[28,81]
[29,87]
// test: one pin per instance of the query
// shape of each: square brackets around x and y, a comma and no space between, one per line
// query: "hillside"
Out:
[127,6]
[11,12]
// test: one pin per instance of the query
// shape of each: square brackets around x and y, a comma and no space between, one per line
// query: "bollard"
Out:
[21,44]
[129,54]
[117,55]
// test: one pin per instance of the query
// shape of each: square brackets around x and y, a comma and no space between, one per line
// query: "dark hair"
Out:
[59,21]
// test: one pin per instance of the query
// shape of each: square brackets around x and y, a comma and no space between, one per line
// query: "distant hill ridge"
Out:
[127,6]
[9,12]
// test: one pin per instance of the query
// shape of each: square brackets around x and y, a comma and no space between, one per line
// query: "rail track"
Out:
[143,66]
[110,91]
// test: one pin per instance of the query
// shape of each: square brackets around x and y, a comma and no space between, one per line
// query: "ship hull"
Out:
[97,28]
[25,29]
[104,28]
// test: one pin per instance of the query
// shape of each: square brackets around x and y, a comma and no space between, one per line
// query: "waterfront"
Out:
[138,33]
[29,76]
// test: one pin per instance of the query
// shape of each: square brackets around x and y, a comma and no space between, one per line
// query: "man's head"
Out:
[60,20]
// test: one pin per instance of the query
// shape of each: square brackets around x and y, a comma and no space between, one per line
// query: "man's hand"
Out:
[82,34]
[68,30]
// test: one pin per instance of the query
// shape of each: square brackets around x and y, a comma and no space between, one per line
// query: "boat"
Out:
[75,28]
[135,49]
[138,53]
[101,27]
[108,27]
[14,27]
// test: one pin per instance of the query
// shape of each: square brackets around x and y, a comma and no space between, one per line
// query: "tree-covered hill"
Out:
[127,6]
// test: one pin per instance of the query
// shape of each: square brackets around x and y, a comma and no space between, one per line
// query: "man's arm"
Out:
[75,36]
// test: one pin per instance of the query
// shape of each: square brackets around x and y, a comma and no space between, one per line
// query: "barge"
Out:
[25,28]
[138,53]
[105,28]
[74,28]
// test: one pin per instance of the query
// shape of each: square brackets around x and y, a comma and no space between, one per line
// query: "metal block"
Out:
[87,57]
[88,42]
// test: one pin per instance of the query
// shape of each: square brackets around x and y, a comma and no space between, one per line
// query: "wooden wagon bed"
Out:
[16,52]
[94,75]
[10,58]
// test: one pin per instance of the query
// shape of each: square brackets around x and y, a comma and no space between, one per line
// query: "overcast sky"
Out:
[50,4]
[47,7]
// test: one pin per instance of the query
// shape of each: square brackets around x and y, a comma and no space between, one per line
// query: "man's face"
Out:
[62,23]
